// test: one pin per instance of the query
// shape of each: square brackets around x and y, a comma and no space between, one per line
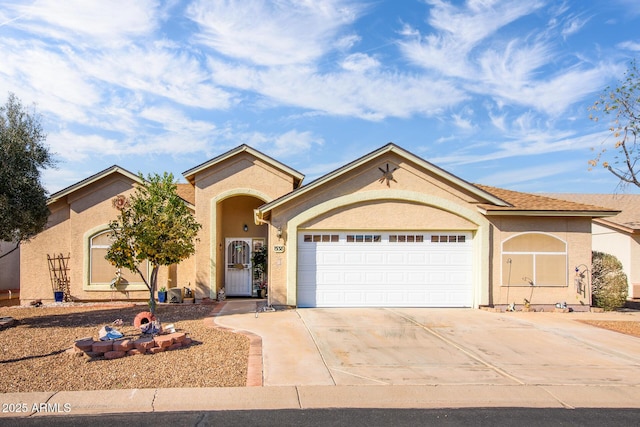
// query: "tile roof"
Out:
[540,203]
[628,204]
[187,192]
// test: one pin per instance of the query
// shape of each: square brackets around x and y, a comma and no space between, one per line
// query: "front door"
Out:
[238,271]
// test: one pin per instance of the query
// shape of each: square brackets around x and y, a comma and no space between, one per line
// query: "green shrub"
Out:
[609,286]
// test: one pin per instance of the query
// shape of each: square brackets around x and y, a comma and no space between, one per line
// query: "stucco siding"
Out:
[618,244]
[389,215]
[70,224]
[576,232]
[240,176]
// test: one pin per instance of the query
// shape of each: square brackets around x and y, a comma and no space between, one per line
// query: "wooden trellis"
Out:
[58,271]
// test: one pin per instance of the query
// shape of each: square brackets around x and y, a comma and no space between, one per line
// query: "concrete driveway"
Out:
[410,346]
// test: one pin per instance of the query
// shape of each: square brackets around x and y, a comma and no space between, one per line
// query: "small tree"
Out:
[155,226]
[622,105]
[23,199]
[609,286]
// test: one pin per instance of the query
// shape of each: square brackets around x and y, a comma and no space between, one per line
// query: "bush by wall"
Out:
[609,286]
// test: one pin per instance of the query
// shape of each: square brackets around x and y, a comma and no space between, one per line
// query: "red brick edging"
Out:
[254,368]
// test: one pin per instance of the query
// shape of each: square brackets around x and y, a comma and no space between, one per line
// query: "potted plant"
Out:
[262,289]
[259,263]
[162,294]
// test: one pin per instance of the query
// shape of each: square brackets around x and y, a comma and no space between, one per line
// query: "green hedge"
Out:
[609,286]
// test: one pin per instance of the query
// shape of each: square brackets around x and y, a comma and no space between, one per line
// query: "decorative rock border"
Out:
[254,364]
[114,349]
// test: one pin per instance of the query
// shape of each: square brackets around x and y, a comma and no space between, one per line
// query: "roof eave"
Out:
[191,173]
[616,226]
[88,181]
[545,213]
[391,147]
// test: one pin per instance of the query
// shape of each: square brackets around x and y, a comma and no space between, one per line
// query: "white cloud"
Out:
[293,143]
[629,45]
[87,22]
[524,142]
[458,31]
[372,96]
[168,73]
[573,25]
[272,33]
[72,147]
[526,174]
[360,62]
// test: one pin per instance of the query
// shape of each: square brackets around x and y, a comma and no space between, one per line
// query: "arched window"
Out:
[538,259]
[101,271]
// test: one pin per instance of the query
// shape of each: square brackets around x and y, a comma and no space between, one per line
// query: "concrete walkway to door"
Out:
[401,346]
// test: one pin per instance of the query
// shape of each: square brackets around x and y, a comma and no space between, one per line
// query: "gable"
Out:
[221,162]
[389,169]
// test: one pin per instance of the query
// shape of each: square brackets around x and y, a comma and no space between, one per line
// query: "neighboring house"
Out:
[9,273]
[388,229]
[617,235]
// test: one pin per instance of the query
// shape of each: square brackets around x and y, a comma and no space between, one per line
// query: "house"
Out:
[618,235]
[9,273]
[387,229]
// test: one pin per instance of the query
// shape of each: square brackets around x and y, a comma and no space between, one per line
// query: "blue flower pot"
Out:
[58,296]
[162,296]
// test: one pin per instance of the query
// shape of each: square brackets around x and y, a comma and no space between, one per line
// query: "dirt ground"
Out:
[624,327]
[33,354]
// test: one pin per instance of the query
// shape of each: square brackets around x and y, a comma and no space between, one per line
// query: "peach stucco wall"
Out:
[625,247]
[241,175]
[72,221]
[576,232]
[388,215]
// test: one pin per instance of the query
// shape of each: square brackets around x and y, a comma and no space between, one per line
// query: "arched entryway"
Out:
[239,238]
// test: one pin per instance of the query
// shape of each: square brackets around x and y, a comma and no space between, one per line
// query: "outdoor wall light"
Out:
[245,228]
[279,232]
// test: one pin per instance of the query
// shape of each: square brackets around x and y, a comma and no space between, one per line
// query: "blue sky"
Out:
[496,92]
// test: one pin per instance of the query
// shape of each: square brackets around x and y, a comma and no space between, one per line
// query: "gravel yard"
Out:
[33,353]
[622,326]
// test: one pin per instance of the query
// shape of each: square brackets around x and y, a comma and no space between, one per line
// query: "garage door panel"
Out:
[375,258]
[415,278]
[353,258]
[306,258]
[419,273]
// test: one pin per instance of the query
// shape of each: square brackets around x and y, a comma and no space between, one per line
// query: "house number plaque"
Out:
[278,249]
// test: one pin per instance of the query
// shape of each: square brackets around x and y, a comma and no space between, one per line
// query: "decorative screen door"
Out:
[238,262]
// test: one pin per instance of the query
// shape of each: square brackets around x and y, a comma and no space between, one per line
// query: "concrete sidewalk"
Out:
[313,397]
[298,372]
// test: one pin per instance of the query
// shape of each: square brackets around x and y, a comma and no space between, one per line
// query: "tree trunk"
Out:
[153,284]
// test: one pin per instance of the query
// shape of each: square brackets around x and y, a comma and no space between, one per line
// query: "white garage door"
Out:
[386,269]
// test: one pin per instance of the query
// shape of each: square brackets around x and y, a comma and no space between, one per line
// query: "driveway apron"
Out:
[463,346]
[418,346]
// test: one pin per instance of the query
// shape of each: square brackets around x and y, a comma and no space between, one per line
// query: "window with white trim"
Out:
[534,259]
[101,271]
